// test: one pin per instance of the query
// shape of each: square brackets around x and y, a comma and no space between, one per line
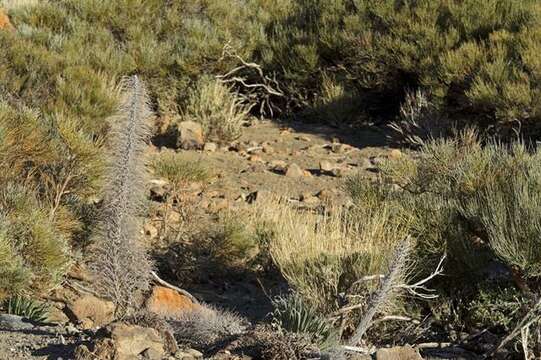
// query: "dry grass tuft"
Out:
[321,256]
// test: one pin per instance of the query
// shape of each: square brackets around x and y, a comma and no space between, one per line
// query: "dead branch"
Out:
[419,289]
[260,90]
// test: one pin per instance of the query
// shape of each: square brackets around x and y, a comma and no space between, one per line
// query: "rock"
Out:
[259,195]
[338,148]
[236,146]
[152,354]
[5,23]
[365,163]
[57,316]
[326,166]
[190,135]
[196,354]
[267,149]
[103,349]
[218,204]
[150,231]
[255,158]
[325,195]
[339,172]
[168,302]
[278,166]
[395,154]
[14,322]
[294,171]
[90,311]
[309,199]
[210,147]
[159,189]
[398,353]
[131,341]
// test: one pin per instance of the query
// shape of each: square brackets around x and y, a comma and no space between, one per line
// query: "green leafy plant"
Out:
[27,308]
[292,314]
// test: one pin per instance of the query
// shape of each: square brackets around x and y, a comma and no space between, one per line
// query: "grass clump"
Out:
[178,170]
[321,256]
[220,110]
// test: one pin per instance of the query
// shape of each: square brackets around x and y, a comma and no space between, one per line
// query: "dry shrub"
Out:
[205,327]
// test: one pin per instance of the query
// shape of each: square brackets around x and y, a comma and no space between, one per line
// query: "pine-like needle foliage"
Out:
[121,263]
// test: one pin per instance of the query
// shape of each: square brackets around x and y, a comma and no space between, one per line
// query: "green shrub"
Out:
[476,203]
[496,307]
[34,255]
[475,58]
[235,242]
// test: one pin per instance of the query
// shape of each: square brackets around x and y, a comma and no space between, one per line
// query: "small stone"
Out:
[190,135]
[309,199]
[395,154]
[210,147]
[338,148]
[255,158]
[326,166]
[307,173]
[152,354]
[303,138]
[294,171]
[278,166]
[398,353]
[91,310]
[150,231]
[267,149]
[159,189]
[196,354]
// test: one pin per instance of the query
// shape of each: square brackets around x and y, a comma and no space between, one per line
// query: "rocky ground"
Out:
[305,164]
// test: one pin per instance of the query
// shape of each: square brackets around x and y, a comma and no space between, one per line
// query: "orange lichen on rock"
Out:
[167,302]
[5,24]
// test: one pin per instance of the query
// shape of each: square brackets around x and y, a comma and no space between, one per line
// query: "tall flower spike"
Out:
[121,264]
